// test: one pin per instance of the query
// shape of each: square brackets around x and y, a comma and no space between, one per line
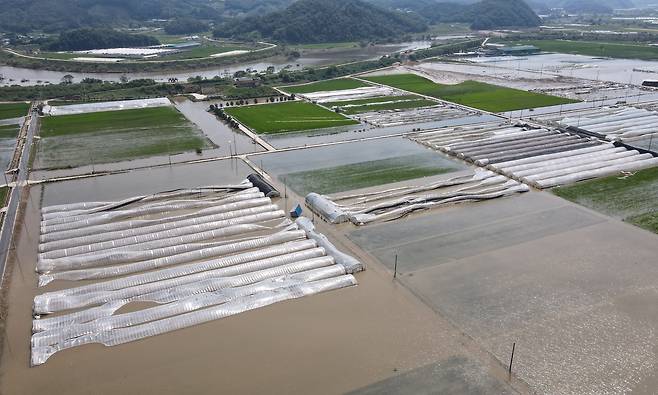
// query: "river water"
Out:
[23,76]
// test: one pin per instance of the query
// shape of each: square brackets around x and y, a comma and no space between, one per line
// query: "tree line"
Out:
[90,38]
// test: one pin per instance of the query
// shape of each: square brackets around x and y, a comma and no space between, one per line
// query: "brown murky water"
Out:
[328,343]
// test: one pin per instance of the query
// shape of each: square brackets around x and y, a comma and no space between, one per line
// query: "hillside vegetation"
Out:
[319,21]
[57,15]
[301,21]
[84,39]
[485,14]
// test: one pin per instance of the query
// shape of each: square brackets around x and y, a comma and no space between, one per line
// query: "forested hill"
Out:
[58,15]
[286,20]
[485,14]
[319,21]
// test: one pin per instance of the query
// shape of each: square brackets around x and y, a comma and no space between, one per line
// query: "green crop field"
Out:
[632,199]
[13,110]
[367,174]
[110,136]
[471,93]
[329,85]
[591,48]
[287,117]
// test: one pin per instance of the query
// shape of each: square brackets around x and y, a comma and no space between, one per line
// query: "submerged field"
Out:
[329,85]
[111,136]
[381,103]
[633,199]
[287,117]
[367,174]
[8,134]
[591,48]
[13,110]
[471,93]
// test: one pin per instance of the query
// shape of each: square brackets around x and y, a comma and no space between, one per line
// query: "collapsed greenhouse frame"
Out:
[201,254]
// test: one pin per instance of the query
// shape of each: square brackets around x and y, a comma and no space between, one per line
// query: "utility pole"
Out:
[395,266]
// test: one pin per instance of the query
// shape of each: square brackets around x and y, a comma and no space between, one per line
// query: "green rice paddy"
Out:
[475,94]
[287,117]
[366,174]
[633,199]
[13,110]
[329,85]
[110,136]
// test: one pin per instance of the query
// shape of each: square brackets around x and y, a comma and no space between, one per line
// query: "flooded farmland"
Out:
[23,76]
[184,272]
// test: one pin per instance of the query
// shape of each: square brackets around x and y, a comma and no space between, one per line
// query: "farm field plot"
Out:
[471,93]
[351,107]
[287,117]
[367,174]
[592,48]
[111,136]
[379,317]
[346,167]
[632,199]
[8,134]
[330,85]
[13,110]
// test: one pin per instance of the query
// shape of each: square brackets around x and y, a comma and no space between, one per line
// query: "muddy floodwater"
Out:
[623,71]
[335,342]
[227,140]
